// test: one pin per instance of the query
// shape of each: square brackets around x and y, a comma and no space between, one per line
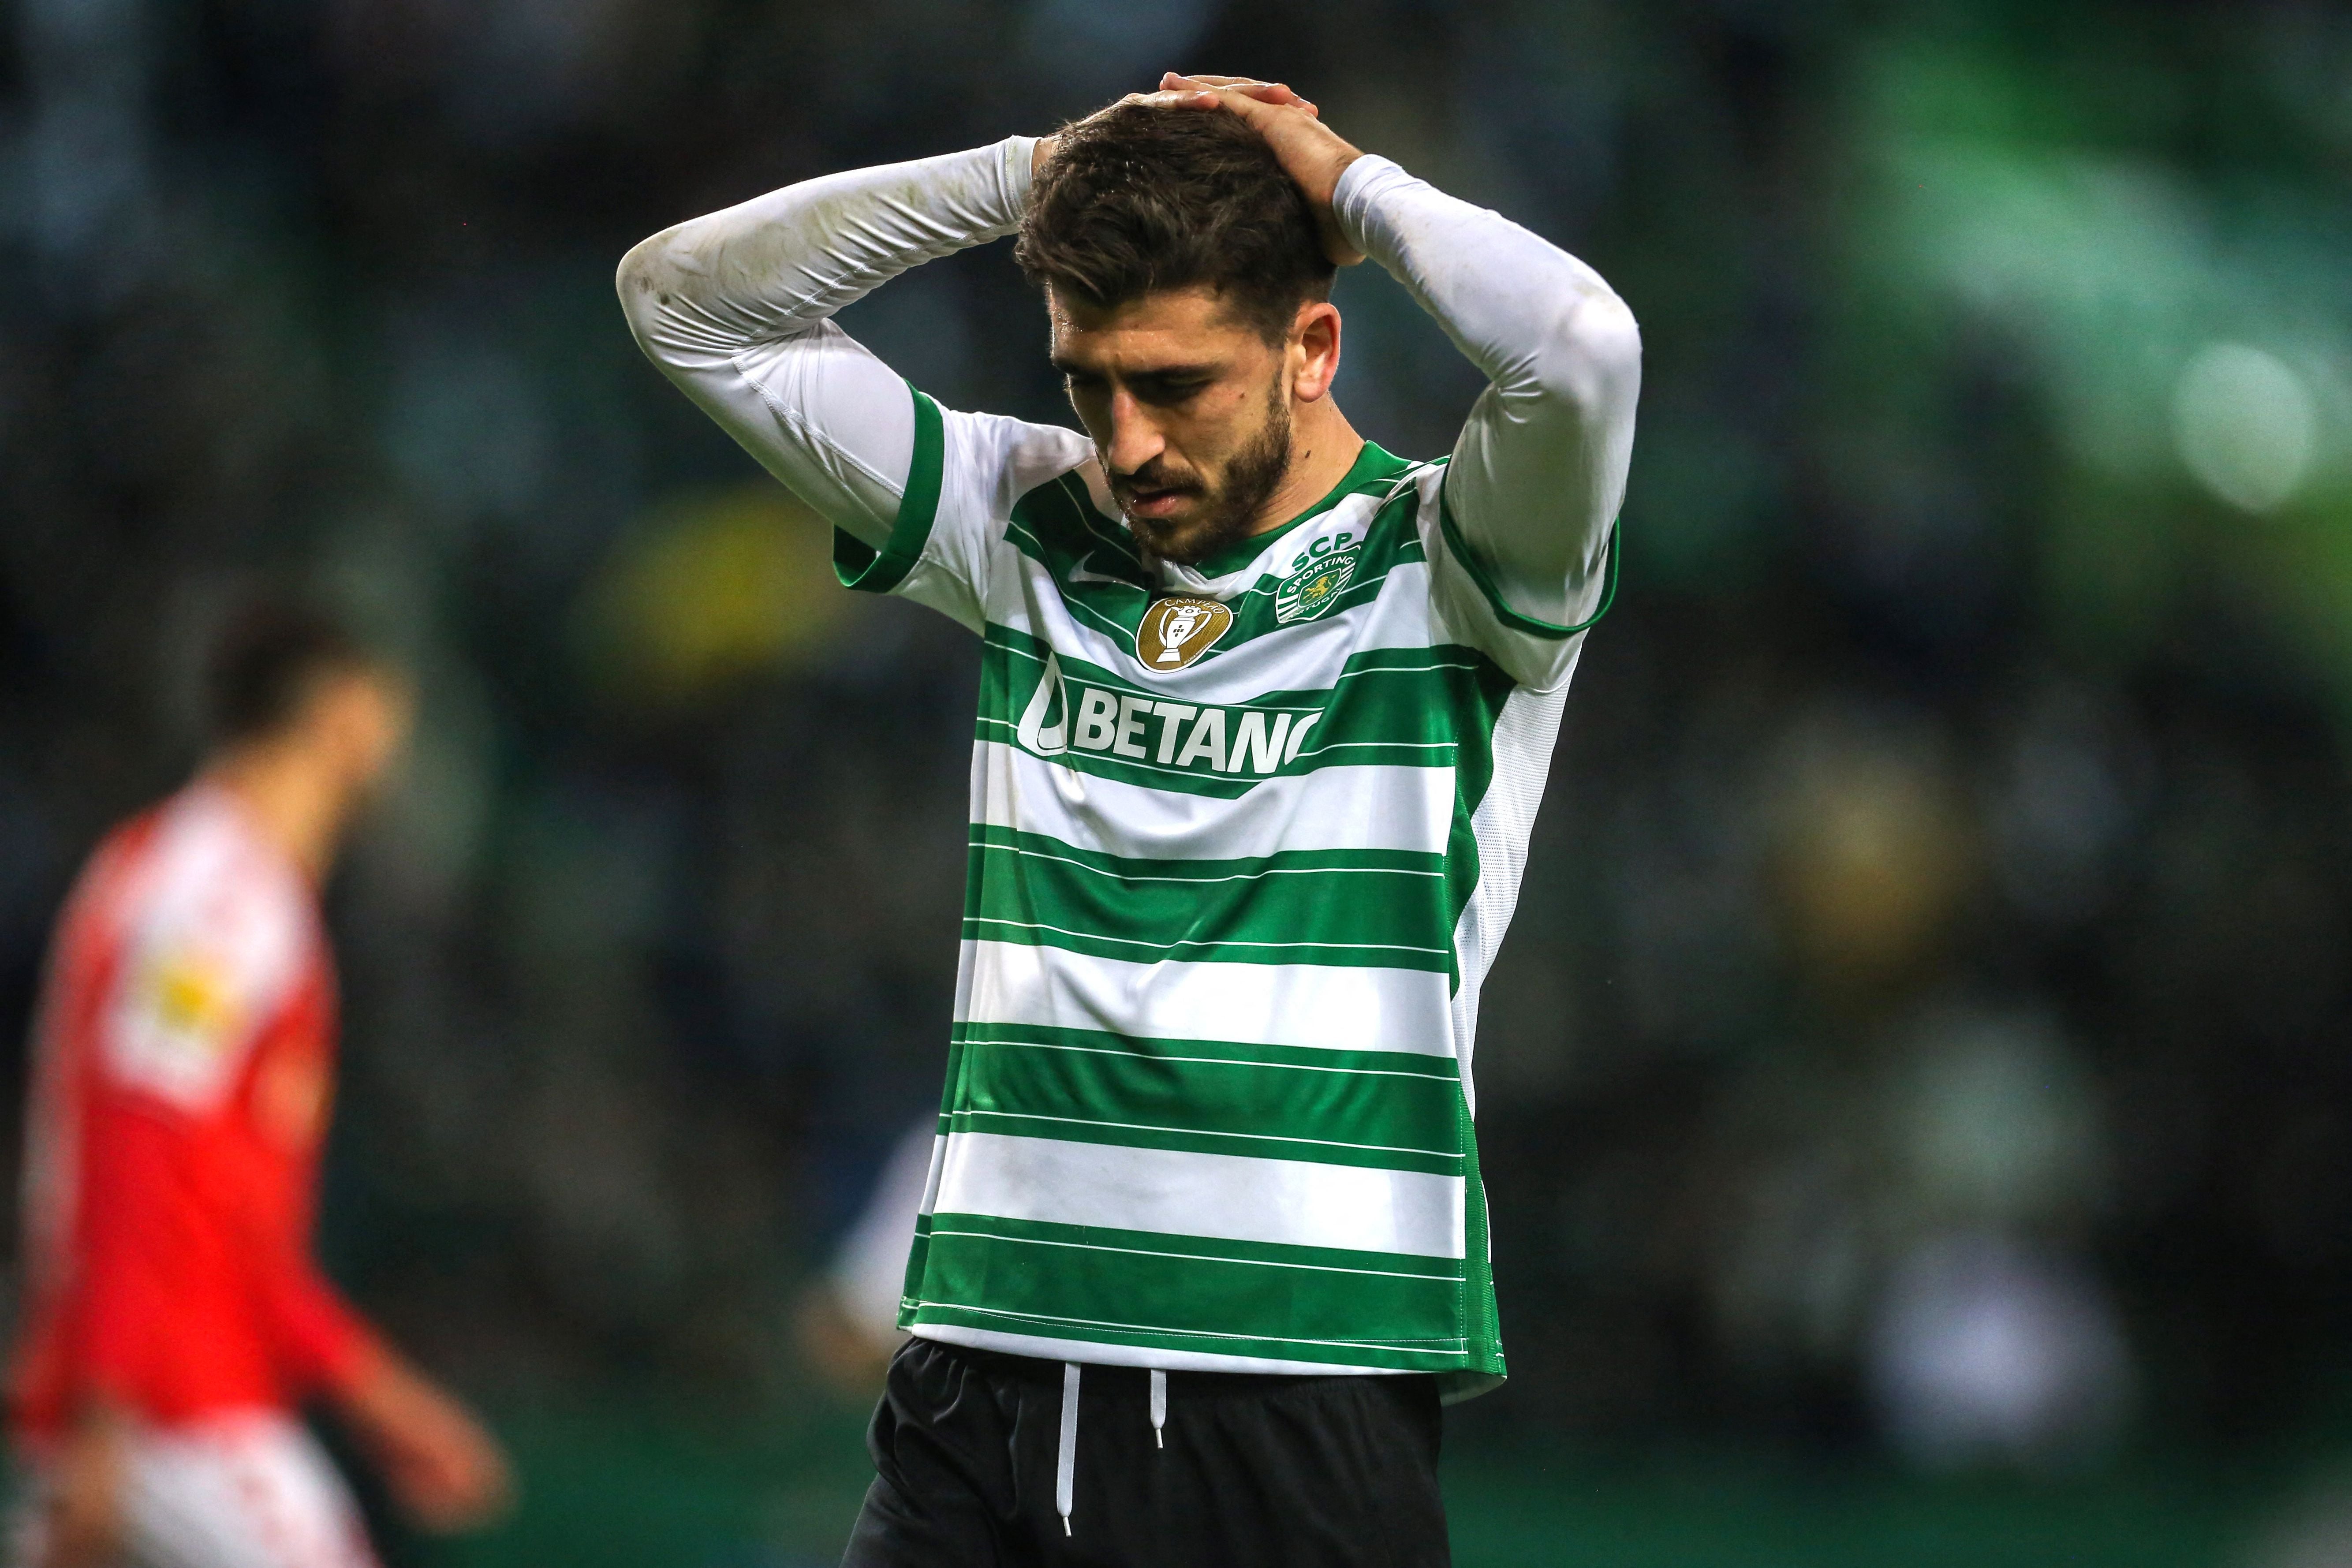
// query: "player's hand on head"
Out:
[1310,152]
[1277,93]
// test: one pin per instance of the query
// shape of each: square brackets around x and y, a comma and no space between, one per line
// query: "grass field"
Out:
[609,1489]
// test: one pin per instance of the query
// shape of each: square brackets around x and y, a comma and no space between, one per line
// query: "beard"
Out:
[1228,508]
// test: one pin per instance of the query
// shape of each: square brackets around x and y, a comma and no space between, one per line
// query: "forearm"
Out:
[442,1463]
[778,264]
[735,308]
[1539,470]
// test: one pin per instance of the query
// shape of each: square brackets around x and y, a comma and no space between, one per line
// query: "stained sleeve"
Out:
[736,309]
[1524,528]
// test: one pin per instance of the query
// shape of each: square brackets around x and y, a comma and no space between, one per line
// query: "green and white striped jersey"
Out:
[1230,900]
[1244,837]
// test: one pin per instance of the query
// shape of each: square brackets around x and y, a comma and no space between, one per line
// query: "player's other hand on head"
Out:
[1310,152]
[442,1466]
[1279,94]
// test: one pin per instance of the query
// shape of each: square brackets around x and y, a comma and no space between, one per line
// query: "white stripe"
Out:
[1024,597]
[1003,928]
[1258,1137]
[1314,1005]
[1089,868]
[1090,1352]
[1120,1325]
[1337,807]
[1227,1197]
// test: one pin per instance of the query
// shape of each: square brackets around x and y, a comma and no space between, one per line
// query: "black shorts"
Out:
[1289,1472]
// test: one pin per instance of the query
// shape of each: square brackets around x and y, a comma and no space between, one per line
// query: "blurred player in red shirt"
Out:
[184,1071]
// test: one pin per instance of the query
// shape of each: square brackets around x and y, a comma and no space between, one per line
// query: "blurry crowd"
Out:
[1925,1018]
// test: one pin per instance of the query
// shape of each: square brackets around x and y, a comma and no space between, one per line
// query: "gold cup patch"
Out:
[1175,632]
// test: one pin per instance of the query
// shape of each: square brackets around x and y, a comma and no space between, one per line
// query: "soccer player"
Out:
[183,1063]
[1265,715]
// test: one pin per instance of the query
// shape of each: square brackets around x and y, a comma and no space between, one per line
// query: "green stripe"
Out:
[857,563]
[1191,1293]
[1311,865]
[1480,1321]
[1310,1059]
[1132,1096]
[1320,1260]
[1473,772]
[1388,911]
[1510,617]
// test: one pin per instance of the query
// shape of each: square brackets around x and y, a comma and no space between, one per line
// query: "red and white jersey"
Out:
[183,1061]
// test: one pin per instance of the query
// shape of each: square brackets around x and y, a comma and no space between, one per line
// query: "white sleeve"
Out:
[1526,544]
[735,308]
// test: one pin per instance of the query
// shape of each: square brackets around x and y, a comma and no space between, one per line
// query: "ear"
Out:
[1314,350]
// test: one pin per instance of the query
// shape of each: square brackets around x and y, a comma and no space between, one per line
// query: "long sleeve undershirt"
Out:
[735,308]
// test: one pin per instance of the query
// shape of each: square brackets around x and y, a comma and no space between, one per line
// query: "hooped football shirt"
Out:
[1238,859]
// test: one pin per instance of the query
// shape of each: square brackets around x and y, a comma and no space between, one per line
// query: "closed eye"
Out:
[1168,389]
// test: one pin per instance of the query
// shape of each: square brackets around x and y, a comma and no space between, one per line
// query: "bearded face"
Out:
[1218,504]
[1190,412]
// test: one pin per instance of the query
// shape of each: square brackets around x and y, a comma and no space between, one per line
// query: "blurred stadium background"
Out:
[1915,1096]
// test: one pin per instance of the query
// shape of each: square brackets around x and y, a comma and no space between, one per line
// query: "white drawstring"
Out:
[1066,1466]
[1158,1407]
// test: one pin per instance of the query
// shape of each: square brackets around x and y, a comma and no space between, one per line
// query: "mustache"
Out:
[1151,478]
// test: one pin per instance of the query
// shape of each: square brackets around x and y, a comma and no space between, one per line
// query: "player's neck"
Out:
[291,795]
[1323,447]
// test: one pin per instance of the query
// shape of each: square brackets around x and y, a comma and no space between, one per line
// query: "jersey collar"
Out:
[1372,467]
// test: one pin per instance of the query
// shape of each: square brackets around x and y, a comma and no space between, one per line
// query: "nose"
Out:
[1135,440]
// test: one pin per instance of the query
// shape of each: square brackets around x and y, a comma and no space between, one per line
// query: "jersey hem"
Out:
[1523,624]
[859,564]
[1091,1352]
[1455,1384]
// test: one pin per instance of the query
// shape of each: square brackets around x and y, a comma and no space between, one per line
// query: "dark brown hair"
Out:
[1136,201]
[266,660]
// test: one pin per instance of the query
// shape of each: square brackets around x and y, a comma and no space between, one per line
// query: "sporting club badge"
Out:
[1177,631]
[1315,586]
